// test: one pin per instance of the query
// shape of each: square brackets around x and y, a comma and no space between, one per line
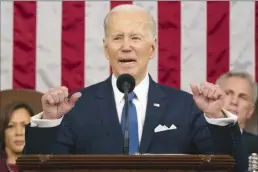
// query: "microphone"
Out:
[125,84]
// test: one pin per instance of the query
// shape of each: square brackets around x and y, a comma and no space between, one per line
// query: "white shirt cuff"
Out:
[36,121]
[231,118]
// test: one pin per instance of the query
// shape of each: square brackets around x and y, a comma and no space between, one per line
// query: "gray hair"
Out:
[131,7]
[243,75]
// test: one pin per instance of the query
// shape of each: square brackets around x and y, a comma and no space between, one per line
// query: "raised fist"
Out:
[55,102]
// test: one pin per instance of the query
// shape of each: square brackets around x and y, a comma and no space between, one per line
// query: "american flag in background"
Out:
[51,43]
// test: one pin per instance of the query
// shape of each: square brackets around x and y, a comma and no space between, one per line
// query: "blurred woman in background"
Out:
[13,120]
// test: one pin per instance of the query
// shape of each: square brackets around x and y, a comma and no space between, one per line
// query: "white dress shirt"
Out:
[140,102]
[141,91]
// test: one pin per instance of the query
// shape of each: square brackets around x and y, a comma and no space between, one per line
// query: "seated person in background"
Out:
[162,119]
[241,95]
[13,120]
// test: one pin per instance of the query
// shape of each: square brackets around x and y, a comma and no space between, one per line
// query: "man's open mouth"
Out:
[127,61]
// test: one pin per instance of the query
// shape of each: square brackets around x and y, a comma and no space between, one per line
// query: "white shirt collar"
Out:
[141,90]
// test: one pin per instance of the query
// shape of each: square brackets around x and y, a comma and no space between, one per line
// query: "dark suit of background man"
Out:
[241,96]
[167,121]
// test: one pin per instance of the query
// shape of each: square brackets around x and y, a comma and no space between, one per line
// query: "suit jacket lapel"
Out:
[108,114]
[155,109]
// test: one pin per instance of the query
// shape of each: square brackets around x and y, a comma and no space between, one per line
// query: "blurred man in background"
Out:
[241,95]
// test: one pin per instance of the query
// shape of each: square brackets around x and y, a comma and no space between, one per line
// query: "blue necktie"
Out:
[133,124]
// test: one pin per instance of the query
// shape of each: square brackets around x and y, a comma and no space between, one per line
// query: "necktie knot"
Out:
[131,96]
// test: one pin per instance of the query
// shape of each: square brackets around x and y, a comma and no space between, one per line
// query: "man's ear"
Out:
[153,48]
[251,112]
[105,48]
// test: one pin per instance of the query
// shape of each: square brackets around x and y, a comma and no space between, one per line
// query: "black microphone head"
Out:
[125,82]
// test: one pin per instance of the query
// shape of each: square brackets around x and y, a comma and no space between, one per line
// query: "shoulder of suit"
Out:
[174,91]
[169,91]
[250,135]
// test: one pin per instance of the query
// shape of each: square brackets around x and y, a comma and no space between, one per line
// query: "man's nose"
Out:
[126,45]
[234,100]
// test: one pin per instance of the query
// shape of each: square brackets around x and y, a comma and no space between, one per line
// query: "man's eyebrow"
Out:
[130,34]
[117,34]
[244,94]
[136,34]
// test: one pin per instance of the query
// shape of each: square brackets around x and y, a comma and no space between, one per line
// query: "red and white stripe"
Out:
[46,44]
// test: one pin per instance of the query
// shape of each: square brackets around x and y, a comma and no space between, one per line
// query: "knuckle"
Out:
[59,92]
[53,94]
[63,88]
[54,98]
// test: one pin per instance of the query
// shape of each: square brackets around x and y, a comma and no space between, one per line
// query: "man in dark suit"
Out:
[162,119]
[241,96]
[250,141]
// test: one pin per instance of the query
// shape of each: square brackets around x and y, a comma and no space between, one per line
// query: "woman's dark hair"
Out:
[5,117]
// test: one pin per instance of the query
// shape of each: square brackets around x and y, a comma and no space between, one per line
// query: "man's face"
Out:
[239,97]
[128,43]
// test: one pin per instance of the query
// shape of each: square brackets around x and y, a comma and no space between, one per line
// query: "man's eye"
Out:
[117,38]
[244,97]
[135,38]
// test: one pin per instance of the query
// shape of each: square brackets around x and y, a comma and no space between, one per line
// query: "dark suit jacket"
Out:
[251,142]
[92,127]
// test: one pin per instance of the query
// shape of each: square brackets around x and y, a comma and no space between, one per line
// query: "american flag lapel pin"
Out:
[156,105]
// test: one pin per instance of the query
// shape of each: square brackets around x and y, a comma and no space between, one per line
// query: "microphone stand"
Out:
[126,131]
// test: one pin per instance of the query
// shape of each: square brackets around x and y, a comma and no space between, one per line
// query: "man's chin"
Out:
[130,72]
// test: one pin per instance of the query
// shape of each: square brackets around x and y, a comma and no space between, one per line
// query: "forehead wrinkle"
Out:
[129,33]
[145,22]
